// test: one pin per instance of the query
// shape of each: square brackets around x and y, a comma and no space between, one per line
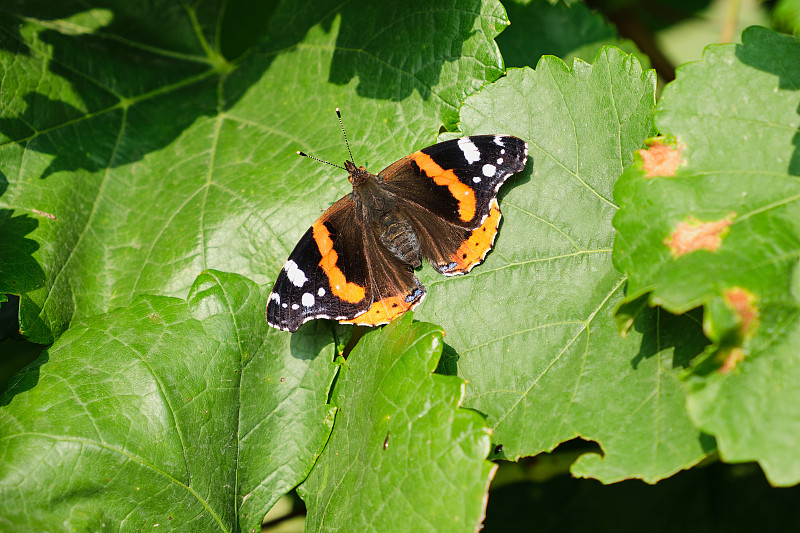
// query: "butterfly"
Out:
[356,263]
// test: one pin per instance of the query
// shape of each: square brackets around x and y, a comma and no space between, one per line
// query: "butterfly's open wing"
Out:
[449,193]
[336,272]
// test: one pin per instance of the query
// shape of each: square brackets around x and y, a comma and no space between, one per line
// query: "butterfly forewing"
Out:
[457,179]
[303,290]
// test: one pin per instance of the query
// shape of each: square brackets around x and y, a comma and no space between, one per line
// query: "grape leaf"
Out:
[131,163]
[402,456]
[710,218]
[536,337]
[184,414]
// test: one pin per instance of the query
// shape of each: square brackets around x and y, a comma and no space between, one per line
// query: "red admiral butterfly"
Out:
[355,264]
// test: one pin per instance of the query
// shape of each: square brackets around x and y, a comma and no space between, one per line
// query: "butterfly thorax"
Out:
[377,210]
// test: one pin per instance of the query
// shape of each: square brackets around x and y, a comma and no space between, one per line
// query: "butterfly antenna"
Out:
[320,160]
[338,114]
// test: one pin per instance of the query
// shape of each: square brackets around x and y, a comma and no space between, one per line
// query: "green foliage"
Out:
[737,144]
[134,165]
[540,362]
[541,27]
[150,193]
[169,411]
[398,433]
[786,16]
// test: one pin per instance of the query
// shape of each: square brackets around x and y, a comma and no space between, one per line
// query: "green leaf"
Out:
[184,414]
[720,228]
[402,455]
[535,333]
[540,27]
[136,155]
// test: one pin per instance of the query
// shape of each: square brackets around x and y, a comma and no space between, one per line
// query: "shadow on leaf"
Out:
[19,271]
[25,380]
[661,331]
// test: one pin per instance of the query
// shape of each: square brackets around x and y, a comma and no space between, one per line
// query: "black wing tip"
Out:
[276,319]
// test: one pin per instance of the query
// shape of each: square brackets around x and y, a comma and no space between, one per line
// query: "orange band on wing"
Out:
[382,311]
[340,287]
[461,192]
[475,248]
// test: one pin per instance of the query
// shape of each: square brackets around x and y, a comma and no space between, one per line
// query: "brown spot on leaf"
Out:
[660,160]
[734,357]
[51,216]
[695,234]
[743,302]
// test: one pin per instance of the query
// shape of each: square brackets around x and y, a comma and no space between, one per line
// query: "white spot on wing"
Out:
[321,292]
[498,140]
[295,275]
[284,305]
[307,300]
[295,307]
[275,297]
[476,179]
[471,152]
[499,160]
[489,170]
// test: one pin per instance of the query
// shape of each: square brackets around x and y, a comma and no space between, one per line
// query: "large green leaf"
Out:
[720,227]
[194,415]
[134,155]
[402,455]
[536,337]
